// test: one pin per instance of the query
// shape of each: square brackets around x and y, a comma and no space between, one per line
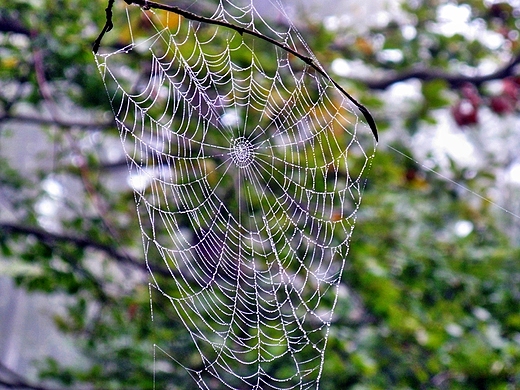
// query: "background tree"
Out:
[430,294]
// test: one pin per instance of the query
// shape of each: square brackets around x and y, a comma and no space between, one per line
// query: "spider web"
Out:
[251,171]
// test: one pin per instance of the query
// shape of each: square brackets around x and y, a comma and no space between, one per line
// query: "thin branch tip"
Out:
[106,28]
[370,120]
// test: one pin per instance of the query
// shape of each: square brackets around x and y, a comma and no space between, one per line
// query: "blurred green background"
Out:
[431,288]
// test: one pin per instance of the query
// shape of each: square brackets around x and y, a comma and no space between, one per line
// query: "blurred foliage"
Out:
[420,305]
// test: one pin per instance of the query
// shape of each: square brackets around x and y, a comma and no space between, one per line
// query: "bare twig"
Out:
[145,4]
[51,104]
[107,27]
[43,86]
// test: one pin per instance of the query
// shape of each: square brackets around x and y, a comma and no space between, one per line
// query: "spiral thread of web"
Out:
[253,167]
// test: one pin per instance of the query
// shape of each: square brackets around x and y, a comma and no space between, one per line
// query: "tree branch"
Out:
[80,242]
[13,26]
[17,381]
[453,80]
[92,126]
[145,4]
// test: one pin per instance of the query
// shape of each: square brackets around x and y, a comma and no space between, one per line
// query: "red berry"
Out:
[502,104]
[465,113]
[410,174]
[510,88]
[471,93]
